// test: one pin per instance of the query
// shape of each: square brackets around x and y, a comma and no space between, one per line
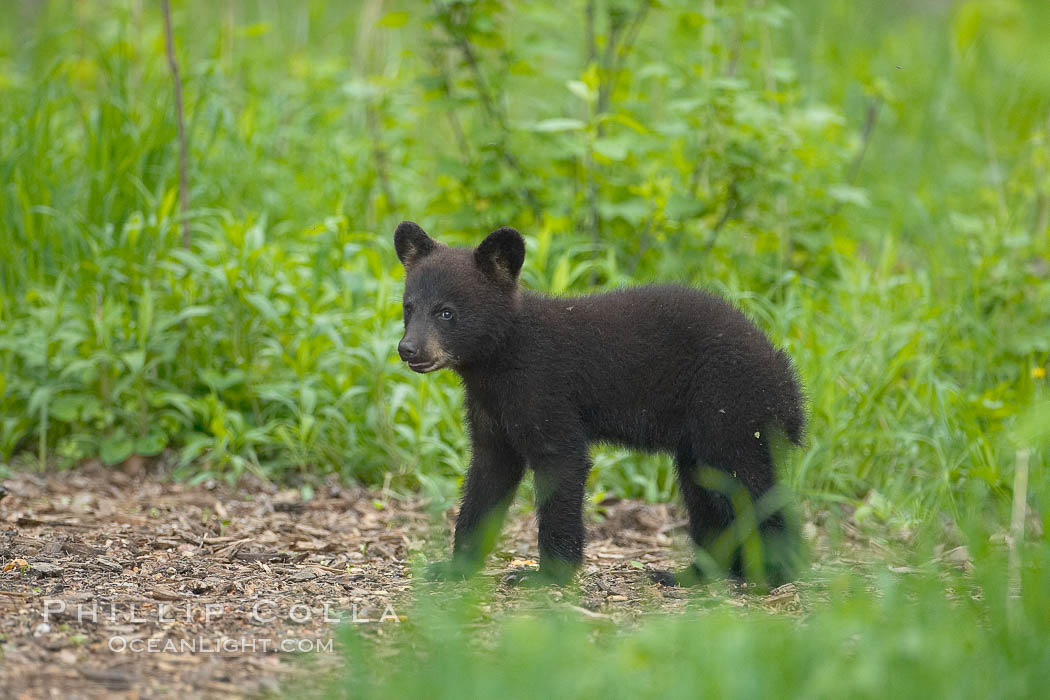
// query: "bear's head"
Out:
[460,304]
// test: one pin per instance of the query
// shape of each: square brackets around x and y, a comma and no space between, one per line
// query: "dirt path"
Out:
[114,583]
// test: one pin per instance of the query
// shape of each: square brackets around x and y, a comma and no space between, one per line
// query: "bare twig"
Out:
[370,15]
[644,241]
[184,197]
[379,154]
[591,46]
[1042,216]
[592,201]
[453,119]
[1042,202]
[734,54]
[488,102]
[870,118]
[604,77]
[732,205]
[621,38]
[629,37]
[594,225]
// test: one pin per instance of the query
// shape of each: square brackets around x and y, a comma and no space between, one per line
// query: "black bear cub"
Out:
[656,368]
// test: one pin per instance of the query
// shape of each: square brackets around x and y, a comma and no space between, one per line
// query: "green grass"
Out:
[922,646]
[871,183]
[865,632]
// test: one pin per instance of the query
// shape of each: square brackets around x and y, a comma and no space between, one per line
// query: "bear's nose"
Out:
[406,349]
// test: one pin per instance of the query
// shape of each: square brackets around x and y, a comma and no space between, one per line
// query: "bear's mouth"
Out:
[425,366]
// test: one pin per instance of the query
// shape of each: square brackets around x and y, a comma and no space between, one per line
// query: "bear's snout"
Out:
[420,360]
[407,349]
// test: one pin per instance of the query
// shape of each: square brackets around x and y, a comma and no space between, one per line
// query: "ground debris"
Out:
[93,562]
[96,563]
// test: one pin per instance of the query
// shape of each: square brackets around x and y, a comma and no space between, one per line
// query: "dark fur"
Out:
[657,368]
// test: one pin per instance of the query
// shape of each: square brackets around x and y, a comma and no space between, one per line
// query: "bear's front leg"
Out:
[561,479]
[495,471]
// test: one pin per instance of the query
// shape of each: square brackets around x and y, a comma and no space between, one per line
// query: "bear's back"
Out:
[634,363]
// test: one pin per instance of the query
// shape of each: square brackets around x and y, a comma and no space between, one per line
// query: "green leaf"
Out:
[40,398]
[626,120]
[394,20]
[309,399]
[847,194]
[263,306]
[116,448]
[1033,427]
[134,360]
[145,320]
[613,149]
[560,280]
[221,382]
[151,444]
[580,89]
[66,408]
[360,89]
[194,311]
[634,210]
[557,124]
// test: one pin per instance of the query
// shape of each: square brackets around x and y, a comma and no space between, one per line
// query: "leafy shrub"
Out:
[801,176]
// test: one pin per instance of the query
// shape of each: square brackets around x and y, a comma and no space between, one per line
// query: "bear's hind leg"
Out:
[741,472]
[710,514]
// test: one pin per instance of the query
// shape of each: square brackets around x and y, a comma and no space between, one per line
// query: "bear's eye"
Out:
[445,314]
[408,309]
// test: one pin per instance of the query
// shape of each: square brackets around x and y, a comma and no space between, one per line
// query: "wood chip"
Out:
[46,568]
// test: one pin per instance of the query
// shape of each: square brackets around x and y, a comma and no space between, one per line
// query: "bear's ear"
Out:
[412,243]
[501,254]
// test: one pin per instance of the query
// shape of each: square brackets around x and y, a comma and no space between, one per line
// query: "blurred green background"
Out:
[869,181]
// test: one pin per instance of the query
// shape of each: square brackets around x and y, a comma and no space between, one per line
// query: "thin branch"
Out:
[1042,204]
[604,85]
[1042,216]
[595,223]
[488,103]
[629,37]
[591,46]
[592,200]
[732,205]
[617,45]
[184,197]
[467,49]
[370,15]
[379,154]
[871,117]
[453,118]
[645,241]
[734,54]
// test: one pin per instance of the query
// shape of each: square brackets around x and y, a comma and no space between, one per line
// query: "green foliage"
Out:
[863,633]
[871,184]
[870,181]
